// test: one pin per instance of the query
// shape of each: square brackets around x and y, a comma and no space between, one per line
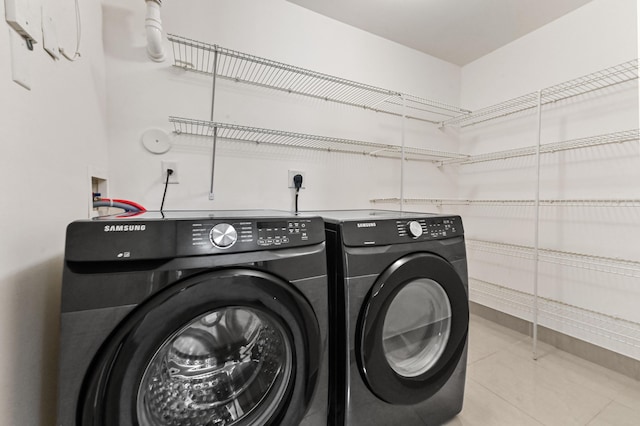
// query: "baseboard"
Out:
[604,357]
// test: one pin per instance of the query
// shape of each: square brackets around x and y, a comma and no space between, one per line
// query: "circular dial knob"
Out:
[223,235]
[414,228]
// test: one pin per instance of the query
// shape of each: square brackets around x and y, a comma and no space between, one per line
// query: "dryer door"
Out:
[412,329]
[228,347]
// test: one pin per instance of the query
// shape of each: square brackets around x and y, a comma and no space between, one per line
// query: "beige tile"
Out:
[591,376]
[485,338]
[548,396]
[484,408]
[524,349]
[629,395]
[618,415]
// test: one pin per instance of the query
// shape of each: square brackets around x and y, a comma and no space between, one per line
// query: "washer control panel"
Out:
[214,236]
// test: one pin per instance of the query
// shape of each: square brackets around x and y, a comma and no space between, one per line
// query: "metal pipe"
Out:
[402,158]
[215,129]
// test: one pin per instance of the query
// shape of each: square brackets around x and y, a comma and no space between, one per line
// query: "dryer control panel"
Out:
[430,228]
[215,236]
[404,230]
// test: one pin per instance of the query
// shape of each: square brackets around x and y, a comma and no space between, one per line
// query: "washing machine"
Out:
[194,318]
[398,285]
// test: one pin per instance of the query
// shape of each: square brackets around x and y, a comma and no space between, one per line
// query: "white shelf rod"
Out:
[536,240]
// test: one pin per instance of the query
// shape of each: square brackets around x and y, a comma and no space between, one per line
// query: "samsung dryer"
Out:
[194,319]
[399,286]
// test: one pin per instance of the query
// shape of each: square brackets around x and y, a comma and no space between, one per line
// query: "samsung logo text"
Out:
[366,225]
[124,228]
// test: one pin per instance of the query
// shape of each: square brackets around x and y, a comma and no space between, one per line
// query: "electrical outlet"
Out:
[292,173]
[173,165]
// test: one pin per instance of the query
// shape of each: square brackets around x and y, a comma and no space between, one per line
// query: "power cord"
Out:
[297,183]
[166,184]
[76,54]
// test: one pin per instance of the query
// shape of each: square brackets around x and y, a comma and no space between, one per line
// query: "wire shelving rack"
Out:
[610,265]
[551,148]
[238,133]
[600,326]
[618,74]
[200,57]
[617,202]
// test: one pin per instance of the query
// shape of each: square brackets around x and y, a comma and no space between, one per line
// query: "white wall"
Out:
[597,36]
[143,94]
[51,135]
[79,114]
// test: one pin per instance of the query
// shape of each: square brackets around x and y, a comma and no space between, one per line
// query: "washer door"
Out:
[229,347]
[412,329]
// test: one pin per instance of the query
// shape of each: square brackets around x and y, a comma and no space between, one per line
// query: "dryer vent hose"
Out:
[153,24]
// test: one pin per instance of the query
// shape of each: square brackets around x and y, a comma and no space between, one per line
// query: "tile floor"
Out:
[505,386]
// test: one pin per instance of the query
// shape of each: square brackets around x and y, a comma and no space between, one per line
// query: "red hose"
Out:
[131,203]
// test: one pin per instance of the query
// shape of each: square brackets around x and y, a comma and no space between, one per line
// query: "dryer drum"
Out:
[416,327]
[413,329]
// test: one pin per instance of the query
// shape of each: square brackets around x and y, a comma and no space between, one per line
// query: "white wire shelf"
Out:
[604,327]
[241,67]
[609,265]
[618,74]
[237,133]
[513,202]
[550,148]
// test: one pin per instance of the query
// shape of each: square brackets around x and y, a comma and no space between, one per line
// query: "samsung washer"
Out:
[194,319]
[398,287]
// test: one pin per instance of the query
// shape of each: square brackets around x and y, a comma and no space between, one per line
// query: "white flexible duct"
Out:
[153,24]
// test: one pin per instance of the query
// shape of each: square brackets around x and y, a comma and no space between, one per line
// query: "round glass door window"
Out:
[416,327]
[229,366]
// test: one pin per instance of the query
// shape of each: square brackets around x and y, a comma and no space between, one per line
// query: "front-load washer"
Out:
[194,319]
[399,284]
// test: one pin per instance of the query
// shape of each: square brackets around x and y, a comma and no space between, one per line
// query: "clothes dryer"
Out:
[194,318]
[399,287]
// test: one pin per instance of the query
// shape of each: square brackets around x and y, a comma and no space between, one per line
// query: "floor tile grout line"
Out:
[532,362]
[482,358]
[599,412]
[508,402]
[515,348]
[571,380]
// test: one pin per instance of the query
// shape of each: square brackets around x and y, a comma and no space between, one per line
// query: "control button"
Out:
[414,228]
[223,235]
